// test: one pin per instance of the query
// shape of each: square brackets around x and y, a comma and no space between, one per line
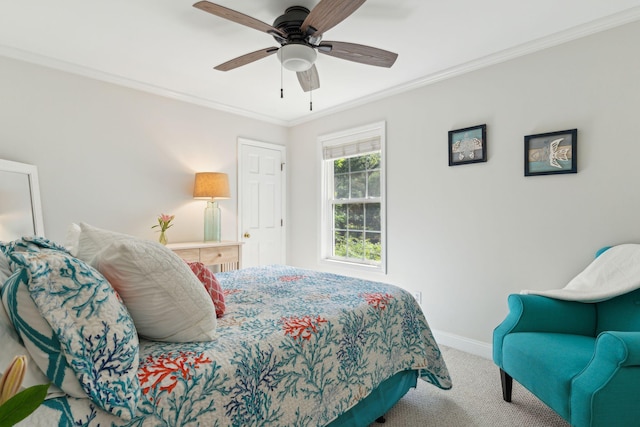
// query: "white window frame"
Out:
[346,138]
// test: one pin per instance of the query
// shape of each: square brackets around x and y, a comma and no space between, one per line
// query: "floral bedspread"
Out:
[294,348]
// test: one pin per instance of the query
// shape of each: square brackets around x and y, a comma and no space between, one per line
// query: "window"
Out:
[353,226]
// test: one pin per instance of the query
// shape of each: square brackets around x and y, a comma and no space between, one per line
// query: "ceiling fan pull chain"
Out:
[310,94]
[281,84]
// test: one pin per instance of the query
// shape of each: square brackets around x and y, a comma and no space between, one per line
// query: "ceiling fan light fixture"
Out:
[297,57]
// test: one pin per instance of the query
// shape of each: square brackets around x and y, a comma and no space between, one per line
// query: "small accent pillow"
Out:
[91,327]
[165,299]
[211,285]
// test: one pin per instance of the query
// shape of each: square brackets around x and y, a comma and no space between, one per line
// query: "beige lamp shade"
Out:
[211,185]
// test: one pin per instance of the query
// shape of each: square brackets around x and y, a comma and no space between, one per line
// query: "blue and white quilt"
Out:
[294,348]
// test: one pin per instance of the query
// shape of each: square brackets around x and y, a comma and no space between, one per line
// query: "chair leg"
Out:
[507,385]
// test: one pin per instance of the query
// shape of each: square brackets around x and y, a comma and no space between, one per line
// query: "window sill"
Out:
[380,269]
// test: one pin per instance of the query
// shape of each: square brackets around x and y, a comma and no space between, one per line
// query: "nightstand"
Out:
[222,256]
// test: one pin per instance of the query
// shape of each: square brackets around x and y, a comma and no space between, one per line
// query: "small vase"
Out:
[163,238]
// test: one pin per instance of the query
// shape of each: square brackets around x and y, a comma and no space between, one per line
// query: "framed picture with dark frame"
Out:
[551,153]
[468,145]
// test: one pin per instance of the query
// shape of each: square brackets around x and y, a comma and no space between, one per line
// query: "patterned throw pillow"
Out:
[25,342]
[13,344]
[36,334]
[211,285]
[5,270]
[87,324]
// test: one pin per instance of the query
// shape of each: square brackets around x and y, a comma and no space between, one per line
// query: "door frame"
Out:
[242,142]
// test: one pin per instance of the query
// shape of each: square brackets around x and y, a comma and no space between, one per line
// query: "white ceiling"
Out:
[170,48]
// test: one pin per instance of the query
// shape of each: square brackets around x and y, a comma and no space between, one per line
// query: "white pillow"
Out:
[72,238]
[165,299]
[88,240]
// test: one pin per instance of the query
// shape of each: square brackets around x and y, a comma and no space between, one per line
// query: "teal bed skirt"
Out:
[379,401]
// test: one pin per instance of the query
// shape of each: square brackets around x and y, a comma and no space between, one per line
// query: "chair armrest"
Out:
[535,313]
[619,348]
[612,375]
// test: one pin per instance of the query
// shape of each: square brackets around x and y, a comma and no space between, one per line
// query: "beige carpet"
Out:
[474,400]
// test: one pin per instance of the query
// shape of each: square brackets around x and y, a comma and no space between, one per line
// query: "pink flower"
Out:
[167,218]
[164,222]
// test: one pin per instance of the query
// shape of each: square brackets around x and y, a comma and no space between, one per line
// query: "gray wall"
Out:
[467,236]
[116,157]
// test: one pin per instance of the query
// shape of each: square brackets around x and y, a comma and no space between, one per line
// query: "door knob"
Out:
[247,235]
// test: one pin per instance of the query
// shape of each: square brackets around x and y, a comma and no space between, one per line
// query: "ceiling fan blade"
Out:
[237,17]
[309,79]
[327,14]
[358,53]
[246,59]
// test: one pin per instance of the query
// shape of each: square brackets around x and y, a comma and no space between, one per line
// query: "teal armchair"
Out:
[580,359]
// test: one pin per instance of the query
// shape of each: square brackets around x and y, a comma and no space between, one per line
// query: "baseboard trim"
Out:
[458,342]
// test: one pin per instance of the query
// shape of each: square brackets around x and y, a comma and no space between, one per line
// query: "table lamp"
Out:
[211,186]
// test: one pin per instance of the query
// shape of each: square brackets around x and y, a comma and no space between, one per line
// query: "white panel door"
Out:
[261,182]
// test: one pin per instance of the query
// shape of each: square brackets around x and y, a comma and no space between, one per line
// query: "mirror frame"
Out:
[31,172]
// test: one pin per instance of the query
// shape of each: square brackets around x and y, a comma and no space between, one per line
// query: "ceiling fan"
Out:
[299,32]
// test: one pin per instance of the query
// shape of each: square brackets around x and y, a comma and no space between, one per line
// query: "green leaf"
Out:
[22,404]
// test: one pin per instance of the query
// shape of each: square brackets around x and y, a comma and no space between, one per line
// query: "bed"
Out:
[294,347]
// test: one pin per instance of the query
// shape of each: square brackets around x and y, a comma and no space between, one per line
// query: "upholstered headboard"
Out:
[20,208]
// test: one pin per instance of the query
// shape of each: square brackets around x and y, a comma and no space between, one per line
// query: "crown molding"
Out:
[606,23]
[92,73]
[603,24]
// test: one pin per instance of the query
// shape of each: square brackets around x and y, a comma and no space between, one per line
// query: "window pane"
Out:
[358,185]
[341,166]
[373,184]
[355,216]
[355,245]
[358,163]
[373,161]
[372,246]
[340,217]
[340,244]
[372,216]
[341,184]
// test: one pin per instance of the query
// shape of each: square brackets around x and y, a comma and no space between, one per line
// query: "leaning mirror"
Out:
[20,208]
